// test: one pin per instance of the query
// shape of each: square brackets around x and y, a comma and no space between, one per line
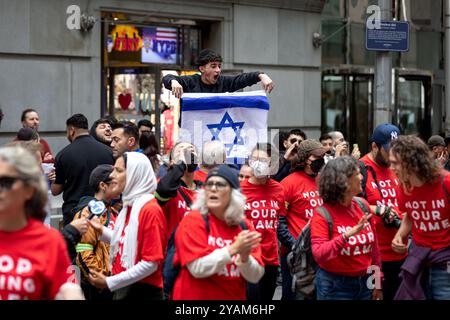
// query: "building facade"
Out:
[58,71]
[348,70]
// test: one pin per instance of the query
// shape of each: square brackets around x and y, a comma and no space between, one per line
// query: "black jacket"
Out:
[169,185]
[224,83]
[284,235]
[72,237]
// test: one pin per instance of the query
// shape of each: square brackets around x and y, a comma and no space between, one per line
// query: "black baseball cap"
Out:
[101,173]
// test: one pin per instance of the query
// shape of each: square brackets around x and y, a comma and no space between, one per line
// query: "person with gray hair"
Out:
[177,190]
[344,245]
[25,242]
[218,249]
[342,147]
[213,154]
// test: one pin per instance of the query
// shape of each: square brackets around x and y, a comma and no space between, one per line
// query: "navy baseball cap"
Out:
[384,134]
[224,171]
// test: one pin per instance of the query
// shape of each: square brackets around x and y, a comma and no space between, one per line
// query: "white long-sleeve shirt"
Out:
[139,271]
[214,262]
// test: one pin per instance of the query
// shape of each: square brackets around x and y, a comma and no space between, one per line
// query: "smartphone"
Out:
[189,157]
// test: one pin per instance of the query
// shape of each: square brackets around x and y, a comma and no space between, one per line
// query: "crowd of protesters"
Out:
[198,228]
[229,230]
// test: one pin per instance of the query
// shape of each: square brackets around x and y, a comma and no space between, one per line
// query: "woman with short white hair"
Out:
[218,249]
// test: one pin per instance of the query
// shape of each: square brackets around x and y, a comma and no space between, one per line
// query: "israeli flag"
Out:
[238,120]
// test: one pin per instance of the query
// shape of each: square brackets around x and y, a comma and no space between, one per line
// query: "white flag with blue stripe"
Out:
[238,120]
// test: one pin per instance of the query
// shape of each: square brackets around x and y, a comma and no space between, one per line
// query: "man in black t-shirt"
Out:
[74,163]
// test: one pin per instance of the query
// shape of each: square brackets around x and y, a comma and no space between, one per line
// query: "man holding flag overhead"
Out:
[211,81]
[209,111]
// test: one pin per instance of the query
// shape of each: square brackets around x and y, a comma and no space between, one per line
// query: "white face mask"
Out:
[260,168]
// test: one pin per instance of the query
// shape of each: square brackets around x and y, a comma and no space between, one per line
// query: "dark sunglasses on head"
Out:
[7,182]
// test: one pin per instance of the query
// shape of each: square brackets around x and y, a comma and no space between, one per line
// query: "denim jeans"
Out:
[439,283]
[331,286]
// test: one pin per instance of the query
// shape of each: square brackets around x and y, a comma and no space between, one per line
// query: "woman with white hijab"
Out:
[139,237]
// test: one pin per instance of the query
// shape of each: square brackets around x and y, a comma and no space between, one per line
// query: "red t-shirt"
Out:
[264,203]
[176,208]
[34,263]
[301,196]
[428,207]
[193,242]
[357,254]
[200,175]
[151,241]
[389,184]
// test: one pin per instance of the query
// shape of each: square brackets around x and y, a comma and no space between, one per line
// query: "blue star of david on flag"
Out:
[238,120]
[227,122]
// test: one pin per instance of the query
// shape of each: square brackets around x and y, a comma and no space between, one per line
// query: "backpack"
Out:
[364,172]
[171,269]
[300,260]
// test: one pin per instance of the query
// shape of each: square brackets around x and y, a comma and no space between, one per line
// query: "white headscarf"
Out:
[139,187]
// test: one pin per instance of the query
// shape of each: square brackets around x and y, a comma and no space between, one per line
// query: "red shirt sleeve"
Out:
[376,256]
[58,271]
[152,234]
[191,239]
[323,249]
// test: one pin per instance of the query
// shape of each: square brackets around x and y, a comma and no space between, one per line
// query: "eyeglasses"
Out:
[7,182]
[219,185]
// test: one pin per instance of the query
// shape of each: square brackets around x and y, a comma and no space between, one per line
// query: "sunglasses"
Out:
[293,140]
[219,185]
[7,182]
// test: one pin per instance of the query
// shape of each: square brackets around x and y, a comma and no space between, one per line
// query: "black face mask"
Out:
[316,165]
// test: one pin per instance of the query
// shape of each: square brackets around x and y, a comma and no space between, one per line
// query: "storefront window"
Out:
[333,104]
[411,105]
[134,95]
